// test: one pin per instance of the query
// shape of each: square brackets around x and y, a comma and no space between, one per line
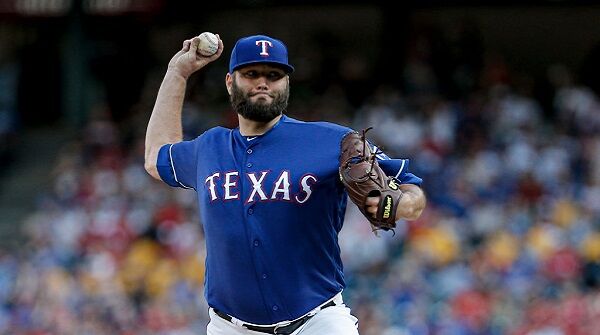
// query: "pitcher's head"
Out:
[258,81]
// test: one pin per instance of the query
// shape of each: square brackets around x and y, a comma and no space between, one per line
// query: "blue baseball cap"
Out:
[259,49]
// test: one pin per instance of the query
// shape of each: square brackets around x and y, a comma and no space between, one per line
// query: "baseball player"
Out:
[272,194]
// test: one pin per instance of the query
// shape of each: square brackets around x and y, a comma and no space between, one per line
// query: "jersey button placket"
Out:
[249,151]
[256,243]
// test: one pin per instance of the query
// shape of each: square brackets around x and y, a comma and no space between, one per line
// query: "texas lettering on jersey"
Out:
[279,190]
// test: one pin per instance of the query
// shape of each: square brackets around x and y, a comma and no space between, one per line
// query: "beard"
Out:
[260,110]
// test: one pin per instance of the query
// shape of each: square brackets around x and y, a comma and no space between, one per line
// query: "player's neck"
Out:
[253,128]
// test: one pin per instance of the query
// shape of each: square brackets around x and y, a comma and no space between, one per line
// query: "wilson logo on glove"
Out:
[388,207]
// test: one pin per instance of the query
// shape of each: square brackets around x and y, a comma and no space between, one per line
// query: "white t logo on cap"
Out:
[264,44]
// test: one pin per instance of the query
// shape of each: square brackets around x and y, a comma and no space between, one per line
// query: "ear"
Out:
[229,82]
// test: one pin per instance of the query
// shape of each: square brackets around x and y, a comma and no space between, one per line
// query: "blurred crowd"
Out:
[509,242]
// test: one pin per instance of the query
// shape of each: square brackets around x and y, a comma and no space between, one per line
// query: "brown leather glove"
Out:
[363,177]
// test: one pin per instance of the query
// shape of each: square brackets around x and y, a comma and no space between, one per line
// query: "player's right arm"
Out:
[164,126]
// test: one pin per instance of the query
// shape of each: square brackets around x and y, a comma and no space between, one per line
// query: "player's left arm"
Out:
[411,205]
[413,200]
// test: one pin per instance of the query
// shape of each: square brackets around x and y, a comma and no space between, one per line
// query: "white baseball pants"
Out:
[334,320]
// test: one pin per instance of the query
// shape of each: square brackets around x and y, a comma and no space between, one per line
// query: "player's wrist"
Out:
[176,72]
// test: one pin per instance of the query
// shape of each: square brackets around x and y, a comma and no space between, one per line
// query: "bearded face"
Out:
[259,109]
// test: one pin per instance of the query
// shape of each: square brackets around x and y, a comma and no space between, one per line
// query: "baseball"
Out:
[209,44]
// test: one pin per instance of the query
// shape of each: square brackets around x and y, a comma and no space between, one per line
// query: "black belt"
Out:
[284,330]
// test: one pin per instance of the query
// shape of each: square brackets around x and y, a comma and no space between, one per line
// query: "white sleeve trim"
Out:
[382,156]
[401,168]
[173,168]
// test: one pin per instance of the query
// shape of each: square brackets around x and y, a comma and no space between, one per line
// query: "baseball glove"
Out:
[363,177]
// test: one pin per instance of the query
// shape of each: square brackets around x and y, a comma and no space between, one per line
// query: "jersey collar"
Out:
[252,140]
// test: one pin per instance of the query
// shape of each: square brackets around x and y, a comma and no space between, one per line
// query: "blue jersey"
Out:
[271,207]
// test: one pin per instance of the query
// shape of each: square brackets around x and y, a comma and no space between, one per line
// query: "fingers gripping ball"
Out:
[363,177]
[209,44]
